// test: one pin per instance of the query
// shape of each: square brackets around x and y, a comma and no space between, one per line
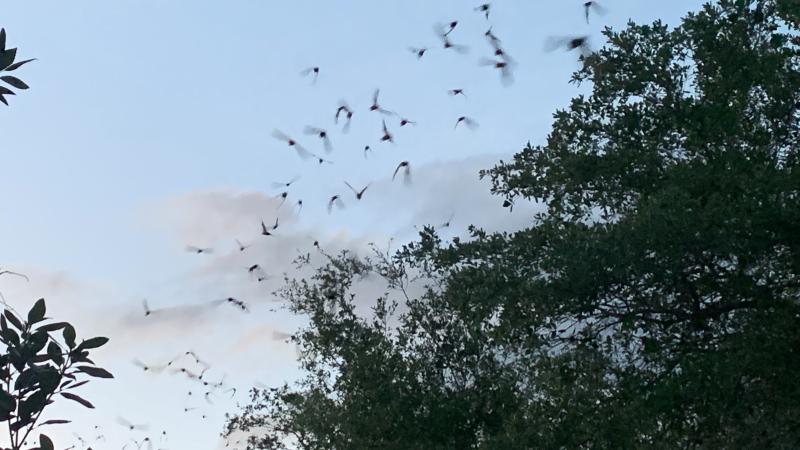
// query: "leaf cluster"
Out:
[41,360]
[9,63]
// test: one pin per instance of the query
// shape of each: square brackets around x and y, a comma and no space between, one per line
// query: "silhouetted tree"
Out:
[655,304]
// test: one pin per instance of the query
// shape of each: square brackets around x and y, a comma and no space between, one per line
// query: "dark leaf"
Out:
[45,443]
[55,422]
[36,314]
[53,326]
[33,404]
[10,316]
[21,422]
[38,359]
[48,378]
[54,353]
[73,386]
[7,403]
[26,379]
[37,341]
[95,372]
[92,343]
[10,336]
[14,81]
[69,335]
[18,64]
[2,39]
[7,57]
[78,399]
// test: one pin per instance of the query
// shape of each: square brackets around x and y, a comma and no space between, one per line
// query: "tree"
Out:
[7,64]
[656,302]
[36,367]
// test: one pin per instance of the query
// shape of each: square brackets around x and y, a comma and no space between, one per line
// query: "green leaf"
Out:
[69,335]
[78,399]
[14,81]
[18,64]
[11,317]
[95,372]
[36,314]
[7,57]
[92,343]
[45,443]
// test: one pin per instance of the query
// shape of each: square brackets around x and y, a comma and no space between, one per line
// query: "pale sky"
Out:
[148,128]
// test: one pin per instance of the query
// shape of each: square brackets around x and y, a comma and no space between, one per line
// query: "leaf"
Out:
[48,378]
[69,335]
[11,338]
[3,99]
[22,422]
[2,39]
[78,399]
[66,384]
[7,403]
[32,405]
[10,316]
[45,443]
[54,422]
[37,341]
[36,314]
[96,372]
[53,326]
[38,359]
[19,64]
[54,353]
[7,57]
[92,343]
[26,379]
[14,81]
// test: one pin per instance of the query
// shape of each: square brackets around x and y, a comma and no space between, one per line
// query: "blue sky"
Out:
[147,128]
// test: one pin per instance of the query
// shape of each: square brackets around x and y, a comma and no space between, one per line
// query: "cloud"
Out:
[187,311]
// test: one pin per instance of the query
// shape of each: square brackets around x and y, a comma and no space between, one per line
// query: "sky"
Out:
[148,127]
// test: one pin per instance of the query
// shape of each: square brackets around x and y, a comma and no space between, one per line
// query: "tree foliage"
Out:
[653,304]
[41,361]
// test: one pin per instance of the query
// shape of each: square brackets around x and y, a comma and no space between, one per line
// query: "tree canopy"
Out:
[654,303]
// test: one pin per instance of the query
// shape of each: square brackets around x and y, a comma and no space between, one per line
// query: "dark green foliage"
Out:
[655,304]
[35,366]
[8,64]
